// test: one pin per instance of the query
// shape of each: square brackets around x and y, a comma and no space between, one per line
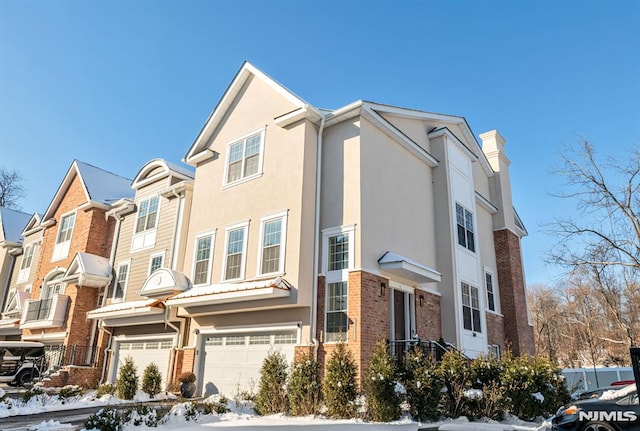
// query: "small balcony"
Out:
[45,313]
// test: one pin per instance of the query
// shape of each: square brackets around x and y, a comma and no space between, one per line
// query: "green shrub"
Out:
[218,407]
[105,389]
[455,372]
[127,383]
[382,400]
[152,380]
[423,385]
[104,420]
[191,412]
[339,385]
[304,386]
[486,376]
[526,380]
[70,391]
[34,392]
[272,396]
[142,416]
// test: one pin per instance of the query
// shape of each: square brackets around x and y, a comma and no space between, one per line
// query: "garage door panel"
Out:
[144,353]
[232,363]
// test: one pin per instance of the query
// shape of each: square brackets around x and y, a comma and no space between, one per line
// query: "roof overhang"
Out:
[120,313]
[88,270]
[10,327]
[163,283]
[306,112]
[232,292]
[407,268]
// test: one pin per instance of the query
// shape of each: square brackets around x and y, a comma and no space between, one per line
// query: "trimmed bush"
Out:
[382,401]
[486,375]
[127,383]
[152,380]
[304,386]
[455,372]
[105,389]
[70,391]
[272,396]
[104,420]
[339,385]
[423,385]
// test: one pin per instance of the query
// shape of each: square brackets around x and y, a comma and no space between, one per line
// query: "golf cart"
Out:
[20,361]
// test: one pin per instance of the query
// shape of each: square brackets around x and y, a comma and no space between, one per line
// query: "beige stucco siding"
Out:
[340,194]
[397,201]
[282,187]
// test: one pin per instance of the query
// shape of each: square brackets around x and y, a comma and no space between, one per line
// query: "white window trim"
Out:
[326,312]
[47,281]
[61,244]
[496,295]
[162,254]
[473,225]
[343,274]
[284,216]
[135,235]
[481,307]
[212,234]
[243,259]
[23,273]
[126,282]
[262,132]
[338,276]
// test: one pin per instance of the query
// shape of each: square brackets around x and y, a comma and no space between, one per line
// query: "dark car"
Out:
[614,411]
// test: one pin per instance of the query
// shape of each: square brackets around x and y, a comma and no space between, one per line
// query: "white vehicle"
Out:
[20,361]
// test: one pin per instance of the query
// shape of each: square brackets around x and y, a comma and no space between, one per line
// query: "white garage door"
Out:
[232,362]
[145,352]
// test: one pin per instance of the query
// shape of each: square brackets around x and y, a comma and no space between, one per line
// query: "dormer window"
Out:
[63,240]
[244,158]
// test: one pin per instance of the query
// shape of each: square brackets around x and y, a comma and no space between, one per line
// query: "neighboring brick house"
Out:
[362,223]
[149,243]
[16,256]
[72,269]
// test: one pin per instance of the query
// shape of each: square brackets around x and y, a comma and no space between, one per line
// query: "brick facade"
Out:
[518,334]
[495,330]
[428,316]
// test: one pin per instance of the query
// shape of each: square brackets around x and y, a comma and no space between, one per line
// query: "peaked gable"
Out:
[198,151]
[12,222]
[99,186]
[158,169]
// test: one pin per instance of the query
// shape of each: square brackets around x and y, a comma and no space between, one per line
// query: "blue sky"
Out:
[118,83]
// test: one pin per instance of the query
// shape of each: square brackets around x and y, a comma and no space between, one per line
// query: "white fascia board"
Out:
[200,157]
[128,312]
[66,183]
[306,112]
[388,129]
[345,113]
[444,131]
[93,204]
[486,204]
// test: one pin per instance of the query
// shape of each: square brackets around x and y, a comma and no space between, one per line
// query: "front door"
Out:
[402,315]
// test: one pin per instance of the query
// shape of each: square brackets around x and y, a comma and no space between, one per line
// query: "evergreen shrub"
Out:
[339,386]
[127,383]
[423,385]
[152,380]
[382,400]
[304,386]
[272,396]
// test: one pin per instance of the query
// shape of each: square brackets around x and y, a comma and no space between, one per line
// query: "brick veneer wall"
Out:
[517,331]
[495,330]
[428,316]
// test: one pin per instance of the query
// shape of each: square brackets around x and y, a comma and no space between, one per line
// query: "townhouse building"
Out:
[296,228]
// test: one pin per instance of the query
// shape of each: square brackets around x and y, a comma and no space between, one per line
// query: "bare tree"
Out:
[11,190]
[603,239]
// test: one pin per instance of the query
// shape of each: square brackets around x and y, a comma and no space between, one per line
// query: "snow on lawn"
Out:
[45,402]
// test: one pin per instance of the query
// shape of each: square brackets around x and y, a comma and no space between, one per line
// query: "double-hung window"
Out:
[27,260]
[338,246]
[63,240]
[235,252]
[146,224]
[464,220]
[244,158]
[155,262]
[273,238]
[491,294]
[120,286]
[471,307]
[203,258]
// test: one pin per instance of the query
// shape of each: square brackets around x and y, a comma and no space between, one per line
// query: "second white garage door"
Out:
[145,352]
[232,362]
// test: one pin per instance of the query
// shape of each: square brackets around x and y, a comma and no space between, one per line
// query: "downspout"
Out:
[316,245]
[112,257]
[178,230]
[178,330]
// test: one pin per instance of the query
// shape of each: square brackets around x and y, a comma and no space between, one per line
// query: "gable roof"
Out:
[100,186]
[11,224]
[33,224]
[198,149]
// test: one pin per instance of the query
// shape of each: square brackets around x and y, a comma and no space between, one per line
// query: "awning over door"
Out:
[407,268]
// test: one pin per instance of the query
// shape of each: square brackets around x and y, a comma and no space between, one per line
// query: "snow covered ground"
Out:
[240,418]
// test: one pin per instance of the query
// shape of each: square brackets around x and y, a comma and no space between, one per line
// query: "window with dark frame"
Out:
[464,221]
[491,299]
[471,307]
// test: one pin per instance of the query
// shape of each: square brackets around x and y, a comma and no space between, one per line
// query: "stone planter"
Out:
[187,389]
